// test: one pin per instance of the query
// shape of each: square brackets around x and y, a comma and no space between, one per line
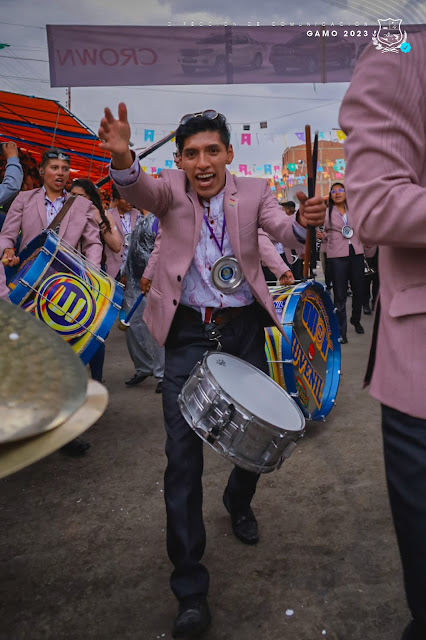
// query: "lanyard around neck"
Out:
[220,246]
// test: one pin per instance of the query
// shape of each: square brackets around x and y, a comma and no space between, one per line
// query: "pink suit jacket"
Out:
[384,116]
[113,260]
[333,243]
[28,214]
[248,204]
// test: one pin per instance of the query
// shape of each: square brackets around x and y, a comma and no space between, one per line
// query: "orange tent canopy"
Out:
[36,124]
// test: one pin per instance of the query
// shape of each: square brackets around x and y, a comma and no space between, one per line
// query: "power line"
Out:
[19,58]
[28,26]
[231,95]
[20,78]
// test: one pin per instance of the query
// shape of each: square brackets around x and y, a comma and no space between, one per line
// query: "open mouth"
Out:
[205,179]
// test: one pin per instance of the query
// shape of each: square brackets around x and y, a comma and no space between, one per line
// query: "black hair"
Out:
[290,203]
[199,124]
[91,191]
[330,200]
[45,157]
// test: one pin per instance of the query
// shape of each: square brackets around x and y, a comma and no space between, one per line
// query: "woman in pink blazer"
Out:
[346,259]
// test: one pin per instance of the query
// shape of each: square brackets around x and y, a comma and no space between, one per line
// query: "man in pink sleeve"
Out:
[205,214]
[384,117]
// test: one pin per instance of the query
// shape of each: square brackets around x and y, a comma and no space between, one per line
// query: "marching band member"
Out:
[32,211]
[385,150]
[147,356]
[206,215]
[345,255]
[125,217]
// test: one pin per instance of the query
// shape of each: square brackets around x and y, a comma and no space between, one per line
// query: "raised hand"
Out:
[10,150]
[115,136]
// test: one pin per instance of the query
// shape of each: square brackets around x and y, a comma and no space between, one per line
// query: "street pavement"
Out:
[82,540]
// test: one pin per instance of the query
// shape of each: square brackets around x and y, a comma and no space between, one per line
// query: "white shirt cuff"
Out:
[126,177]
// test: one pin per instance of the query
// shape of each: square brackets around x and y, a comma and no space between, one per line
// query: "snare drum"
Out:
[240,412]
[308,366]
[63,289]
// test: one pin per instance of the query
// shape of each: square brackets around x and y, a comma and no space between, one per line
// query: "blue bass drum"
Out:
[308,366]
[60,287]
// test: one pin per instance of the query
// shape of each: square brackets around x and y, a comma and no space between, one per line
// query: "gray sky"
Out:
[286,108]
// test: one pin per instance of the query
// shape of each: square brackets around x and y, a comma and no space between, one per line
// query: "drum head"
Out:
[255,391]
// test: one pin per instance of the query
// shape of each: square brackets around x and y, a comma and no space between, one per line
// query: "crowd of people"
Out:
[164,236]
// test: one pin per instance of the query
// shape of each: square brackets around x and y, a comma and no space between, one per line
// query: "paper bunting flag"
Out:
[242,168]
[340,135]
[169,164]
[268,168]
[340,164]
[246,138]
[301,136]
[149,135]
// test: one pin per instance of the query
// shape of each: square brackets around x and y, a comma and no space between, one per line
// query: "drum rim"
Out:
[241,408]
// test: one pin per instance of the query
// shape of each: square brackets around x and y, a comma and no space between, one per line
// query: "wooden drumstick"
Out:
[30,307]
[310,160]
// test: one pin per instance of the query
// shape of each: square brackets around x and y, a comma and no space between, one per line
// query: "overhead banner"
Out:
[82,56]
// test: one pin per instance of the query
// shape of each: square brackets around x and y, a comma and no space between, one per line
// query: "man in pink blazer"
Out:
[384,117]
[205,213]
[32,211]
[125,216]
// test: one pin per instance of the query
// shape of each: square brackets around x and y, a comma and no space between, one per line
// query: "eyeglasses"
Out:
[210,114]
[337,191]
[58,154]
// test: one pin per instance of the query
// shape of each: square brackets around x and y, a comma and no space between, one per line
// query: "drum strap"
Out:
[61,215]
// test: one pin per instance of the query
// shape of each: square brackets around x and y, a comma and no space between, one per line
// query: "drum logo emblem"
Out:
[66,304]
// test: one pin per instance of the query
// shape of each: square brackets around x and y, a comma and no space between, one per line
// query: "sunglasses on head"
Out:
[334,191]
[210,114]
[58,154]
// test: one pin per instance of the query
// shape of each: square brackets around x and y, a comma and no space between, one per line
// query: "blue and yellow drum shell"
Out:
[55,283]
[308,367]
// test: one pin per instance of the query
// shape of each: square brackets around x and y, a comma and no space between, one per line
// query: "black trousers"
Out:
[186,537]
[344,270]
[371,283]
[404,441]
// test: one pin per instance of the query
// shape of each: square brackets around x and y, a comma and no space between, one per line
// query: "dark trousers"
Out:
[96,363]
[344,270]
[186,537]
[404,441]
[371,282]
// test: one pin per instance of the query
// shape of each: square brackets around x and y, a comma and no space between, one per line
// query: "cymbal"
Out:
[17,455]
[42,381]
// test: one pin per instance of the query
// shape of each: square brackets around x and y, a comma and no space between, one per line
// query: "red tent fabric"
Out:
[36,124]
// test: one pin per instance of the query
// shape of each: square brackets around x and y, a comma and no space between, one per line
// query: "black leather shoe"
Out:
[244,524]
[358,326]
[136,379]
[76,447]
[367,310]
[343,340]
[159,387]
[193,617]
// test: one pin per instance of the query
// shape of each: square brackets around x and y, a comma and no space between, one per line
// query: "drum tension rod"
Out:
[223,422]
